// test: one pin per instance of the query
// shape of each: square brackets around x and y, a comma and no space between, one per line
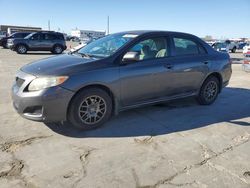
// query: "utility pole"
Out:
[49,25]
[108,25]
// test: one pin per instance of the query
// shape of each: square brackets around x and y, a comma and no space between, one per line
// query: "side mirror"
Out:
[131,57]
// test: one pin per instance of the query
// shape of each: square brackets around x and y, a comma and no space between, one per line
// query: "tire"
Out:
[21,49]
[5,45]
[234,50]
[209,91]
[86,118]
[57,49]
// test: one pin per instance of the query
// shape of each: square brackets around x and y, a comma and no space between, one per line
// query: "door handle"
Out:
[168,66]
[205,62]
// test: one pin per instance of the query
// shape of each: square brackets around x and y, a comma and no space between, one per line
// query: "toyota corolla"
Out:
[118,72]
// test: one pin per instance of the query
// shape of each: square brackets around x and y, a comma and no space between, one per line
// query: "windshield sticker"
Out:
[129,36]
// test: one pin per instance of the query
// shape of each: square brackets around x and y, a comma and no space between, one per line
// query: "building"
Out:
[87,34]
[9,29]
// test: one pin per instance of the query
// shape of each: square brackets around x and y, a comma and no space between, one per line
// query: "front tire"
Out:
[21,49]
[5,45]
[209,91]
[90,109]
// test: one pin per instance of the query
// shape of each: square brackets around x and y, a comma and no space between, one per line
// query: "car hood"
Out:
[65,64]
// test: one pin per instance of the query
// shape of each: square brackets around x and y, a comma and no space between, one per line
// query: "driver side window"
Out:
[35,37]
[151,48]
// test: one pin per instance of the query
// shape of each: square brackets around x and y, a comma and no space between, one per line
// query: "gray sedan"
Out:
[118,72]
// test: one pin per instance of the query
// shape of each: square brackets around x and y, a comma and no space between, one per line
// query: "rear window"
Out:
[53,36]
[185,46]
[59,36]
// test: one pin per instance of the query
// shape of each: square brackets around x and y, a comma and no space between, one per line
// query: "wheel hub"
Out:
[211,90]
[92,109]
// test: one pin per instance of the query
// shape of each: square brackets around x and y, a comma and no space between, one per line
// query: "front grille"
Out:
[19,82]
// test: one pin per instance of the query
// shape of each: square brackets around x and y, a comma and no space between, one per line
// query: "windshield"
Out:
[106,46]
[28,36]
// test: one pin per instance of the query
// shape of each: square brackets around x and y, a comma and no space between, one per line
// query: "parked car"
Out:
[246,49]
[3,34]
[233,46]
[74,39]
[119,72]
[246,63]
[242,45]
[221,47]
[21,35]
[39,41]
[81,44]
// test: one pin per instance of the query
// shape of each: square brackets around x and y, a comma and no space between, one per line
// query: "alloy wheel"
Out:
[92,109]
[210,91]
[58,50]
[21,49]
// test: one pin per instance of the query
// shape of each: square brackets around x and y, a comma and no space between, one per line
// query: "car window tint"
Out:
[48,36]
[185,47]
[151,48]
[18,35]
[202,50]
[36,37]
[59,36]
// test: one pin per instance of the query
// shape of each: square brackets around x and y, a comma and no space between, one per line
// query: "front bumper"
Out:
[10,46]
[48,105]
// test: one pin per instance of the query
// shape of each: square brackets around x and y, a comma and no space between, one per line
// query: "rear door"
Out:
[48,40]
[185,69]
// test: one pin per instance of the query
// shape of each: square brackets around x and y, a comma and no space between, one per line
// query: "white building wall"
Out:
[87,33]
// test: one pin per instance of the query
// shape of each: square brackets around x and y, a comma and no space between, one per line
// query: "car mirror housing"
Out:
[130,57]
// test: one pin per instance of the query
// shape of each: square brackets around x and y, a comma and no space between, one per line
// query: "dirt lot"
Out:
[177,144]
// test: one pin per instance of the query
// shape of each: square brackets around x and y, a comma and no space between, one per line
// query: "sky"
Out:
[218,18]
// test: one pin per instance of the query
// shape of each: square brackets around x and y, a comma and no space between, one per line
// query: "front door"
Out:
[139,79]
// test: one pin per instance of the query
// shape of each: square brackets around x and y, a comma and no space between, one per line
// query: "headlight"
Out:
[46,82]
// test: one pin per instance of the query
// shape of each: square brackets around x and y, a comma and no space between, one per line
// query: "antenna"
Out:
[107,25]
[49,25]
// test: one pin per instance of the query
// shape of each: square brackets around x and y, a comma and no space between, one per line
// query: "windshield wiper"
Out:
[81,54]
[85,55]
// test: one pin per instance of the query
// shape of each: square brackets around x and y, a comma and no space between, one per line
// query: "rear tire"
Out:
[21,49]
[90,109]
[233,50]
[209,91]
[57,49]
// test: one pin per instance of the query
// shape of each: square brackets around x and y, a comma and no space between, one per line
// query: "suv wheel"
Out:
[57,49]
[209,91]
[21,49]
[90,108]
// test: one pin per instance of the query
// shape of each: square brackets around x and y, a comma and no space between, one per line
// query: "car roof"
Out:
[50,32]
[22,32]
[142,32]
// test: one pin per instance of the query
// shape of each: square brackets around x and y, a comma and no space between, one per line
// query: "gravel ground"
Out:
[176,144]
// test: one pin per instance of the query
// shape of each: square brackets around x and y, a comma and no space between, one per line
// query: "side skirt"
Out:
[159,100]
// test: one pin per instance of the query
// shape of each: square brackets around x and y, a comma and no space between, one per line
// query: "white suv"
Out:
[246,49]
